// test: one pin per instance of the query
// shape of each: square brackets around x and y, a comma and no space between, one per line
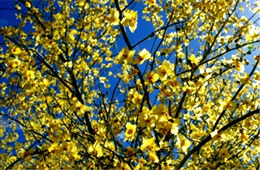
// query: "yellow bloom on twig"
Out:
[142,56]
[151,77]
[130,132]
[130,19]
[113,18]
[149,144]
[125,55]
[182,143]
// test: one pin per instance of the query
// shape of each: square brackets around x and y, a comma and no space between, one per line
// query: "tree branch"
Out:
[209,137]
[233,98]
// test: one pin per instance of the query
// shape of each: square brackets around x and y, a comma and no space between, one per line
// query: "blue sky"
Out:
[7,11]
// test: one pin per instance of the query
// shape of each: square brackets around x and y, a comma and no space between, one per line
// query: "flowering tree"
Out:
[81,88]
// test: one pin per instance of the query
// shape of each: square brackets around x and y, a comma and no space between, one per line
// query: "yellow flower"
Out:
[113,18]
[137,98]
[17,7]
[180,55]
[182,143]
[151,77]
[130,19]
[133,72]
[161,110]
[252,35]
[58,17]
[16,51]
[245,79]
[243,137]
[130,151]
[142,56]
[130,132]
[102,79]
[172,83]
[123,165]
[2,131]
[68,64]
[153,157]
[163,125]
[147,119]
[257,57]
[29,75]
[186,42]
[96,149]
[229,105]
[164,70]
[110,145]
[53,147]
[21,153]
[72,149]
[167,92]
[28,4]
[82,3]
[223,153]
[151,2]
[257,76]
[149,144]
[239,66]
[175,126]
[209,38]
[140,164]
[79,108]
[125,55]
[194,60]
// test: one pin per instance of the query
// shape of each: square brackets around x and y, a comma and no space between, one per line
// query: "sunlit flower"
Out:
[142,56]
[130,132]
[125,55]
[113,18]
[151,77]
[183,143]
[130,19]
[149,144]
[194,60]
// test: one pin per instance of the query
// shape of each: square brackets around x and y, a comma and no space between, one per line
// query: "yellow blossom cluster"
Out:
[180,90]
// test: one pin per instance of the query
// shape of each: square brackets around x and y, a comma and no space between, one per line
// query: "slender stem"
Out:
[209,137]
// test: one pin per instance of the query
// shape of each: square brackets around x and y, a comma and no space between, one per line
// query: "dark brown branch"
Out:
[153,33]
[122,27]
[112,97]
[180,105]
[219,55]
[160,43]
[220,30]
[234,97]
[130,47]
[208,138]
[37,151]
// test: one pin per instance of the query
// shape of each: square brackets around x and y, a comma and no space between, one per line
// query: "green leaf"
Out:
[250,47]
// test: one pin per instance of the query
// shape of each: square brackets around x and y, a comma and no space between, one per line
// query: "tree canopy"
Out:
[131,84]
